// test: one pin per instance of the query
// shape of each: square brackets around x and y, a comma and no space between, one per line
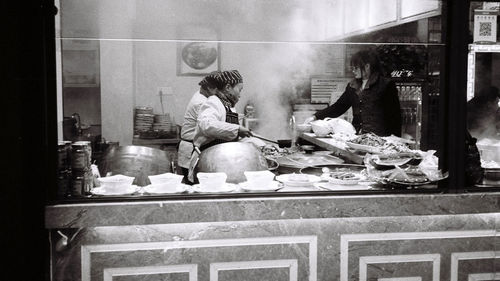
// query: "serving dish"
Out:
[227,187]
[364,148]
[272,186]
[124,191]
[163,189]
[299,160]
[298,180]
[321,169]
[337,187]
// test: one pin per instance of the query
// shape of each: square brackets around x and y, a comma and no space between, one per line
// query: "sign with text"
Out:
[326,89]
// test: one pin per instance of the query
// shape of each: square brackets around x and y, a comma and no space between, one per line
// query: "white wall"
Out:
[138,51]
[117,91]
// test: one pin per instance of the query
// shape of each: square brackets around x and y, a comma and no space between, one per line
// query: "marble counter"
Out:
[267,208]
[362,237]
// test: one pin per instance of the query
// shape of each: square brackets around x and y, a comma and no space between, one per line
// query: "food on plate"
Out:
[392,147]
[273,151]
[344,175]
[343,136]
[369,139]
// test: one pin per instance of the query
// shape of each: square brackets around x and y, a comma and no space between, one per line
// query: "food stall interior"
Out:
[129,78]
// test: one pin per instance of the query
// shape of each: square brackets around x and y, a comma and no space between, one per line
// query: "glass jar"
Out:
[81,183]
[81,154]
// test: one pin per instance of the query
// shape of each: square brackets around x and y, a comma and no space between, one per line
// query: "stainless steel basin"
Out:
[233,158]
[135,161]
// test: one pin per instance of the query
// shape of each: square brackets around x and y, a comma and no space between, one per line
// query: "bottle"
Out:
[293,126]
[249,110]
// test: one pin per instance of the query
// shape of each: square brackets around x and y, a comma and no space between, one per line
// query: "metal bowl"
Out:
[233,158]
[135,161]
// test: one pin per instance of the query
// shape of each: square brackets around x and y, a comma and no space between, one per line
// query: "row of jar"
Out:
[76,156]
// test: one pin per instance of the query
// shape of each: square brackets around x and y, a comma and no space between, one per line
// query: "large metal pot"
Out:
[233,158]
[135,161]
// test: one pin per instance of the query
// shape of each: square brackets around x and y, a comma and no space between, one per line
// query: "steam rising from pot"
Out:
[281,76]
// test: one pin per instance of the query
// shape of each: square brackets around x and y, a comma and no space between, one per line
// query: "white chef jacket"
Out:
[188,129]
[211,125]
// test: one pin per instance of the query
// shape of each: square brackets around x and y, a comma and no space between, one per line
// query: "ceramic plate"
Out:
[101,191]
[338,187]
[344,182]
[363,148]
[228,187]
[288,180]
[272,187]
[152,189]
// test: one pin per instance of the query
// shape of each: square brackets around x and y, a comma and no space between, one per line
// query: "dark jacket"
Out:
[375,109]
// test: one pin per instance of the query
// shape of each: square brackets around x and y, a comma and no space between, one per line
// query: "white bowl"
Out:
[166,179]
[163,188]
[115,183]
[211,181]
[259,178]
[321,128]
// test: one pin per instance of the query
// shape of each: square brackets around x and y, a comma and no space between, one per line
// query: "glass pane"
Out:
[483,96]
[118,56]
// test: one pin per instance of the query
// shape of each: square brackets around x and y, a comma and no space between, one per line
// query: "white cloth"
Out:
[188,129]
[211,125]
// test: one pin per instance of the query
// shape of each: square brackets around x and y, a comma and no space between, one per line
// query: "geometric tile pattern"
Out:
[484,276]
[311,240]
[191,269]
[345,239]
[291,264]
[401,279]
[457,257]
[434,258]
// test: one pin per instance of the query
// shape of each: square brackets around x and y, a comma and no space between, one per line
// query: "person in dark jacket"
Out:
[373,98]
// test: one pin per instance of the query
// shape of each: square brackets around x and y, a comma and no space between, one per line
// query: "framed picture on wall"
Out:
[197,58]
[199,51]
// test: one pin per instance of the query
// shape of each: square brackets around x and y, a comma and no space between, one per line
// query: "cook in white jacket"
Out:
[207,88]
[217,123]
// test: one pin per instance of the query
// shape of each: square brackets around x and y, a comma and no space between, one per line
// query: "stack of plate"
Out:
[144,118]
[143,110]
[162,123]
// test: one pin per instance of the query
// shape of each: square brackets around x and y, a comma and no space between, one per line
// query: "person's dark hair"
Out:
[210,82]
[361,58]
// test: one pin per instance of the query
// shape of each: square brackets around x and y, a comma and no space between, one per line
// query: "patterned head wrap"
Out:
[231,77]
[210,79]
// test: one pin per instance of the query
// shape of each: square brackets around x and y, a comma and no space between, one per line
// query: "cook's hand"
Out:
[244,132]
[309,119]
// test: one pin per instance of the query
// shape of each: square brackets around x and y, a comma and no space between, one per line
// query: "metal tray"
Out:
[299,160]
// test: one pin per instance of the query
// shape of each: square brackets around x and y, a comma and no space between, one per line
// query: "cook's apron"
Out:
[231,117]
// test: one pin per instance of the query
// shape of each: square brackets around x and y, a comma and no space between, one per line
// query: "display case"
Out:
[279,47]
